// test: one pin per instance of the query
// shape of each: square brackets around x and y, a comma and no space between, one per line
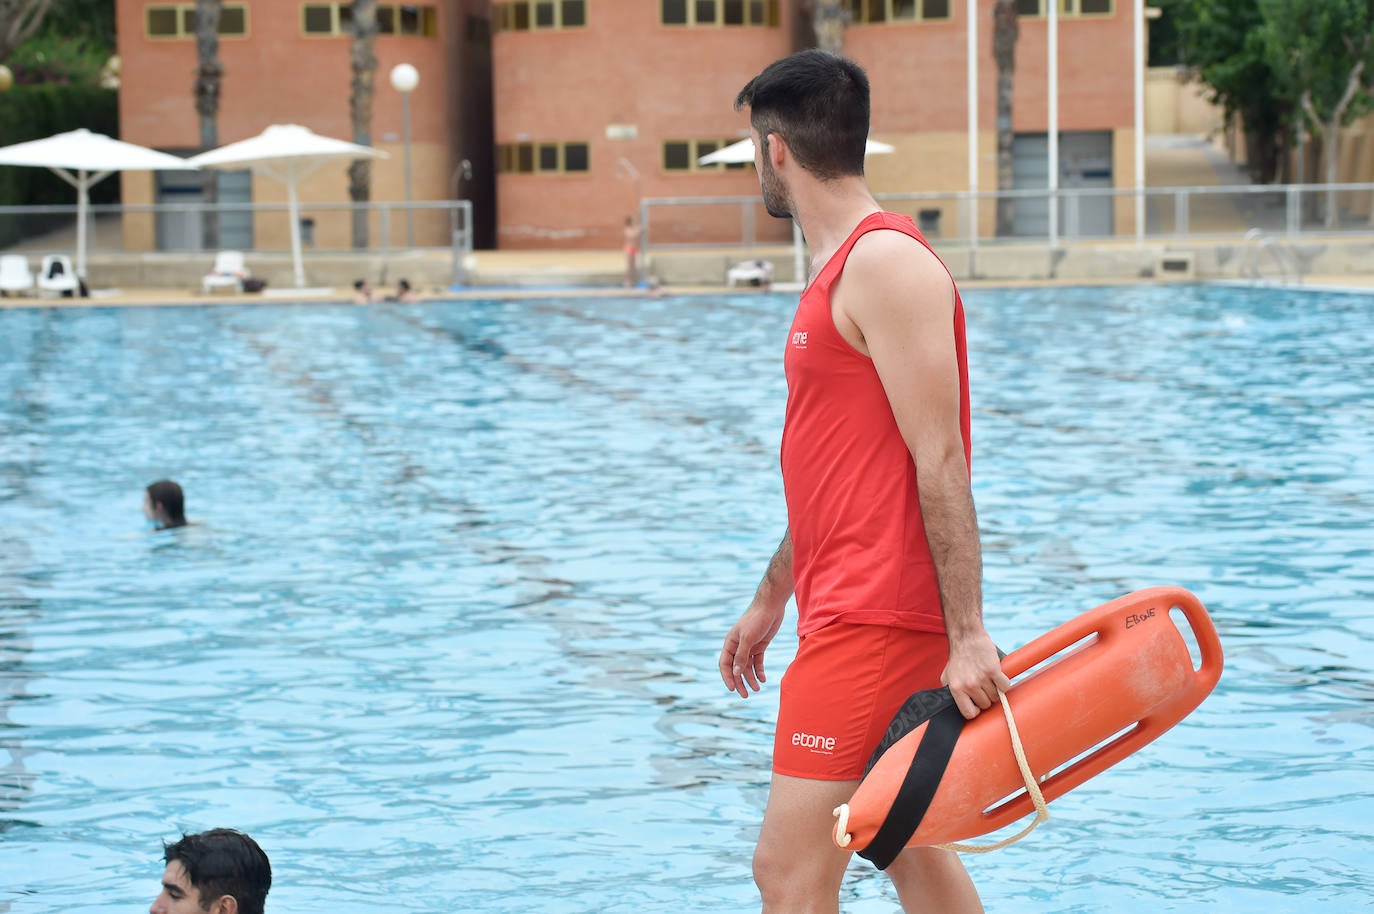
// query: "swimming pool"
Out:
[445,635]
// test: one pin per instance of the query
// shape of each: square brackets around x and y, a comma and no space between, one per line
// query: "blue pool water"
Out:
[445,635]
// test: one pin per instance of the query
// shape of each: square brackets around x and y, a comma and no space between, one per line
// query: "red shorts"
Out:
[841,691]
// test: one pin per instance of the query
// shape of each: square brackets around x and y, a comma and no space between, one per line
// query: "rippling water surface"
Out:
[443,637]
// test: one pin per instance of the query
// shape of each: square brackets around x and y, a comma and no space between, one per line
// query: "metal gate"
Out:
[1085,164]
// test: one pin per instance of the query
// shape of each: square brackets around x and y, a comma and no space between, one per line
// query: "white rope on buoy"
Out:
[841,812]
[1042,812]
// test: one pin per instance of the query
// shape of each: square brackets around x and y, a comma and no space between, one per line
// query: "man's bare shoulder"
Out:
[892,252]
[890,269]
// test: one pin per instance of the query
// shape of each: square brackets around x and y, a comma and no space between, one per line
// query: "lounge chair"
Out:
[57,276]
[15,275]
[229,272]
[751,273]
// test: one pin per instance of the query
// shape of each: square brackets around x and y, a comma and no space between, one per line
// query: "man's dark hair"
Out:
[818,102]
[222,862]
[359,283]
[168,494]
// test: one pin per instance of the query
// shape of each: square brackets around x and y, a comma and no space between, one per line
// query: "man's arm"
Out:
[896,303]
[741,659]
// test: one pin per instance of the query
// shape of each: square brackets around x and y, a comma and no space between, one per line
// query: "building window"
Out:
[682,155]
[178,20]
[538,15]
[407,19]
[1066,7]
[720,12]
[543,158]
[321,19]
[392,19]
[870,12]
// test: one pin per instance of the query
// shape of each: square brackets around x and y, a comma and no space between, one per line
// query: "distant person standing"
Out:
[164,504]
[631,252]
[220,871]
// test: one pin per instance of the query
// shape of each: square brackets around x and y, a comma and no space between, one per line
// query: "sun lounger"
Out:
[750,273]
[229,272]
[56,276]
[15,275]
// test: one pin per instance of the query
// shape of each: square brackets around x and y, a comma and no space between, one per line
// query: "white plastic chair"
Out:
[57,276]
[15,275]
[229,272]
[750,272]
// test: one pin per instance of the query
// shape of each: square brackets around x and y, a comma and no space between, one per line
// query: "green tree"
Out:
[1005,31]
[1224,40]
[1322,54]
[57,41]
[91,19]
[19,20]
[1164,38]
[363,58]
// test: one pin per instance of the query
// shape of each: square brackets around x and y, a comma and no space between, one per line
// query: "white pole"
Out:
[294,208]
[83,202]
[973,122]
[1139,121]
[410,208]
[1053,67]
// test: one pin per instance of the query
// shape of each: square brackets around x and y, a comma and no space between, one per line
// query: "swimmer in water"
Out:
[164,505]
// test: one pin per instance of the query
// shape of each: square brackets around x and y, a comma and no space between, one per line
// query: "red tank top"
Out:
[859,550]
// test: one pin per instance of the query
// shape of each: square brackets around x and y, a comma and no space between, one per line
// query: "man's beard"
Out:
[775,197]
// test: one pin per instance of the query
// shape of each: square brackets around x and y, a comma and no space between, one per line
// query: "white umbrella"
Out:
[82,158]
[288,153]
[743,151]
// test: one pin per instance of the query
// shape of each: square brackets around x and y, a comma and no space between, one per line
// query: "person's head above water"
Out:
[164,504]
[220,871]
[818,102]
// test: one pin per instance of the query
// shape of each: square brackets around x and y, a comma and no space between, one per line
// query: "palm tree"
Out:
[209,74]
[1004,34]
[364,61]
[828,19]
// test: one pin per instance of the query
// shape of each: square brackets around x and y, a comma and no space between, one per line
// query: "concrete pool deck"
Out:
[1332,261]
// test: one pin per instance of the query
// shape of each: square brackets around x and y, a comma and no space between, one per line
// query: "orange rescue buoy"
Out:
[1090,693]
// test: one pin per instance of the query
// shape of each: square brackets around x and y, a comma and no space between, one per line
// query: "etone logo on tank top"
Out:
[824,745]
[799,339]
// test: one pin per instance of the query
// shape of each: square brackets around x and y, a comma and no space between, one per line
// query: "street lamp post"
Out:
[404,79]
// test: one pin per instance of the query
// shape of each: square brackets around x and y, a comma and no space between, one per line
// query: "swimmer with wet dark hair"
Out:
[164,504]
[221,871]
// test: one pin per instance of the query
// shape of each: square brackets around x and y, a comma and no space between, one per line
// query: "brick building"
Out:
[617,102]
[288,62]
[572,111]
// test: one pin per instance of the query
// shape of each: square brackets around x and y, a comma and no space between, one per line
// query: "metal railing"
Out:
[1169,214]
[251,227]
[1258,243]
